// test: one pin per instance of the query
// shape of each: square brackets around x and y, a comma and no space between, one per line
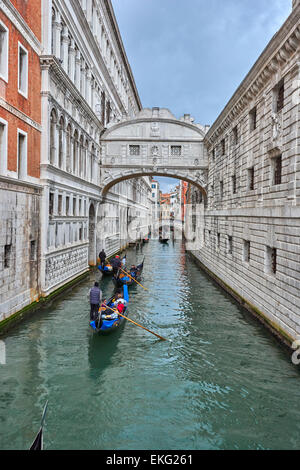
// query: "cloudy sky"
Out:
[191,55]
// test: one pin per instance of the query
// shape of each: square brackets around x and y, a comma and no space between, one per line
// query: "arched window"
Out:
[75,152]
[61,142]
[85,164]
[53,124]
[92,159]
[68,148]
[80,156]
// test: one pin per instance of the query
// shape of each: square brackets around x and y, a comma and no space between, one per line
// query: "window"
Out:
[134,150]
[22,154]
[153,194]
[235,136]
[74,206]
[3,146]
[253,119]
[67,205]
[221,189]
[230,245]
[279,96]
[23,71]
[246,251]
[60,204]
[176,151]
[251,178]
[51,203]
[218,240]
[3,52]
[33,250]
[233,181]
[271,260]
[7,254]
[223,146]
[277,170]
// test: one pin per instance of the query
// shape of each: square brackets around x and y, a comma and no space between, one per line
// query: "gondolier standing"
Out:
[95,301]
[116,264]
[102,256]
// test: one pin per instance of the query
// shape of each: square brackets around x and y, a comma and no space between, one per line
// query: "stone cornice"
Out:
[277,53]
[107,131]
[111,90]
[16,182]
[51,63]
[114,23]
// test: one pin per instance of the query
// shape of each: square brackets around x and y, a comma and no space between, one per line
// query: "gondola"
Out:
[38,441]
[107,270]
[122,279]
[110,324]
[164,240]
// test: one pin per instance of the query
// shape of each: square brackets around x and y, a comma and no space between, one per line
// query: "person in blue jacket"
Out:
[95,295]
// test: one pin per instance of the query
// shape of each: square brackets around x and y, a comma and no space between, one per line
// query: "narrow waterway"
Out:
[220,382]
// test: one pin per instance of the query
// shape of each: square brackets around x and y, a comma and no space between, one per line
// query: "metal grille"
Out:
[277,170]
[134,150]
[176,151]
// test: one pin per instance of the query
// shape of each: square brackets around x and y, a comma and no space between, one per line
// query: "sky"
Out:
[191,55]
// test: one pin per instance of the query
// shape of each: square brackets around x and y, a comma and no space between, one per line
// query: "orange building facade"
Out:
[20,148]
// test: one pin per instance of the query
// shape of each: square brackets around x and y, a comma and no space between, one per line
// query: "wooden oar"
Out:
[127,274]
[114,310]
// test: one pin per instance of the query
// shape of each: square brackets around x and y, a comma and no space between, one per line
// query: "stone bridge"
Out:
[154,143]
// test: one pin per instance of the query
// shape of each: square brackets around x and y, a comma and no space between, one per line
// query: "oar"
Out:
[127,274]
[160,337]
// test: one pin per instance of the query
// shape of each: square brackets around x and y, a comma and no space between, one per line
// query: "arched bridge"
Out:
[154,143]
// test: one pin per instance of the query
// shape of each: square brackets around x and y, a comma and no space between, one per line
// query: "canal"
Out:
[220,382]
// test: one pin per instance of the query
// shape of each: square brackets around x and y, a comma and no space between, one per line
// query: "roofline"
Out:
[114,23]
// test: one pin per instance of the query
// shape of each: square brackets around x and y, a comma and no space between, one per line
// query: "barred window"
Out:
[271,260]
[223,147]
[280,96]
[134,150]
[251,178]
[246,251]
[233,184]
[176,150]
[230,245]
[277,179]
[235,136]
[253,119]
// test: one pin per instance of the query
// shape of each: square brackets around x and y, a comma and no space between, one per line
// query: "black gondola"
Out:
[124,279]
[112,321]
[38,441]
[164,240]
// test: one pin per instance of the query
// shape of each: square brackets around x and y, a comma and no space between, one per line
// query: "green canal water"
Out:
[220,382]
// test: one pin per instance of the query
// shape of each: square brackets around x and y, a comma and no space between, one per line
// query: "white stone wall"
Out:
[19,227]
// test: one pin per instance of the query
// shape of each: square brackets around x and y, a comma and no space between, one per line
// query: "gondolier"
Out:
[95,295]
[102,256]
[116,264]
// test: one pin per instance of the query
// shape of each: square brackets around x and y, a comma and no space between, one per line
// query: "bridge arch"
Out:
[154,143]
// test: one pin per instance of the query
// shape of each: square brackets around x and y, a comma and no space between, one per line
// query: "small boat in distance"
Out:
[163,240]
[111,320]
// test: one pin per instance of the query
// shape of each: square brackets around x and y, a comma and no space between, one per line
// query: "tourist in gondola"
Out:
[102,256]
[95,295]
[133,271]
